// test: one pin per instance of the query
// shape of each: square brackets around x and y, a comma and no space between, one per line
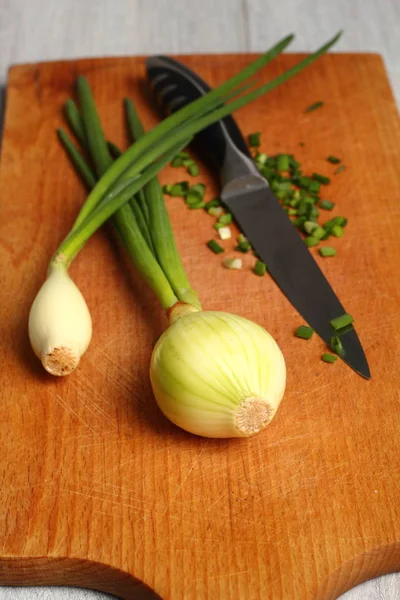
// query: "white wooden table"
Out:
[35,30]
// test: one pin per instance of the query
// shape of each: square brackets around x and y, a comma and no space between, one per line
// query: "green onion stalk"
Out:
[213,374]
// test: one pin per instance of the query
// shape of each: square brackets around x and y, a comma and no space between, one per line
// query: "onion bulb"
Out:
[216,374]
[60,326]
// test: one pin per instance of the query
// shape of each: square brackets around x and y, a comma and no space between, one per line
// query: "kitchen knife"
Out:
[258,212]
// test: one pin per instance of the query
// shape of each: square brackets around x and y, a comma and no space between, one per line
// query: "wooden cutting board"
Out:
[97,488]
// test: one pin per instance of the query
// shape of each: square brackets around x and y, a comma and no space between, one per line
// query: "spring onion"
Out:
[340,169]
[212,373]
[215,211]
[304,332]
[333,159]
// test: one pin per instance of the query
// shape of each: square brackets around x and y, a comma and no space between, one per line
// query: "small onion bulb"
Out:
[218,375]
[60,326]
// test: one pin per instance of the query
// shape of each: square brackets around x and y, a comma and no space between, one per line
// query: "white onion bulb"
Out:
[216,374]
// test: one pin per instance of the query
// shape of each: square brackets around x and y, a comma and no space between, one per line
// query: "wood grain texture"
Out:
[98,489]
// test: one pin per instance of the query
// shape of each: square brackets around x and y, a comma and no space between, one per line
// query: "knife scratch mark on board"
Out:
[68,408]
[192,466]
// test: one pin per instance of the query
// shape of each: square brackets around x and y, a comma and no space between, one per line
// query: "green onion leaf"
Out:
[334,160]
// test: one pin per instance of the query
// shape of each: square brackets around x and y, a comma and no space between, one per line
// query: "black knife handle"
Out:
[175,86]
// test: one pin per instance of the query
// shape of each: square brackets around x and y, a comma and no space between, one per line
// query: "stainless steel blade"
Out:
[279,245]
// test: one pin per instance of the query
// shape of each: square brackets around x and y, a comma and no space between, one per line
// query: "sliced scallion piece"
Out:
[327,251]
[342,321]
[333,159]
[329,358]
[304,332]
[326,204]
[260,268]
[312,107]
[321,178]
[336,344]
[215,247]
[254,139]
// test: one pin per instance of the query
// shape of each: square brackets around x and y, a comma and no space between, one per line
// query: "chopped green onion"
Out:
[336,344]
[260,268]
[218,225]
[304,332]
[215,211]
[311,241]
[313,186]
[241,238]
[215,247]
[334,160]
[194,170]
[326,204]
[187,162]
[318,233]
[198,204]
[199,189]
[321,178]
[337,231]
[243,247]
[213,202]
[178,190]
[291,212]
[329,358]
[233,263]
[166,189]
[313,107]
[177,161]
[225,219]
[340,169]
[342,321]
[309,227]
[192,198]
[282,163]
[224,233]
[254,139]
[327,251]
[260,158]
